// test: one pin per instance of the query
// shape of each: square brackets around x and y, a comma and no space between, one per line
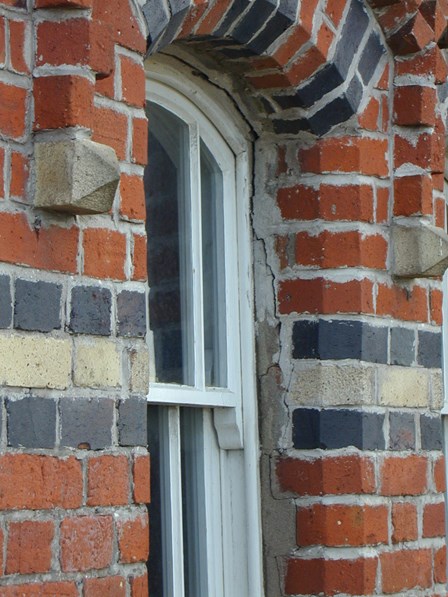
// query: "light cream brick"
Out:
[97,363]
[35,361]
[139,365]
[403,386]
[331,384]
[437,390]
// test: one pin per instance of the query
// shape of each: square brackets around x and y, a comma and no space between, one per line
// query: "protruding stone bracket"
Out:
[77,176]
[419,251]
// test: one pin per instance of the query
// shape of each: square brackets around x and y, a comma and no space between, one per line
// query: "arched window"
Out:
[202,416]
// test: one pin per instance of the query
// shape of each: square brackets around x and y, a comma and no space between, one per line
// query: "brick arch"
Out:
[316,61]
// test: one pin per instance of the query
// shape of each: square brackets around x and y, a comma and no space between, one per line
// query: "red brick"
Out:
[63,42]
[18,32]
[298,203]
[63,101]
[102,48]
[382,205]
[111,128]
[333,475]
[142,487]
[39,482]
[431,61]
[414,105]
[351,202]
[107,481]
[404,476]
[368,120]
[343,249]
[440,565]
[63,3]
[125,27]
[140,141]
[338,525]
[2,173]
[435,306]
[139,260]
[328,577]
[417,152]
[213,16]
[50,248]
[29,547]
[434,520]
[106,86]
[86,543]
[112,586]
[295,40]
[20,168]
[13,101]
[413,195]
[133,539]
[324,296]
[132,195]
[385,113]
[139,586]
[407,569]
[404,522]
[104,253]
[412,37]
[2,538]
[383,83]
[439,474]
[409,304]
[37,589]
[335,9]
[346,154]
[132,82]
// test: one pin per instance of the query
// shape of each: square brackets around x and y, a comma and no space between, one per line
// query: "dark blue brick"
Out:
[5,302]
[431,432]
[86,423]
[374,343]
[401,431]
[238,52]
[340,339]
[370,58]
[354,93]
[90,310]
[289,101]
[37,306]
[306,428]
[402,346]
[442,92]
[277,25]
[253,20]
[178,14]
[429,352]
[291,127]
[337,428]
[326,80]
[157,18]
[236,9]
[131,313]
[31,422]
[337,111]
[132,427]
[305,339]
[354,28]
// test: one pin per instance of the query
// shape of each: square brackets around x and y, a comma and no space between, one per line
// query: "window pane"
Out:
[169,256]
[155,563]
[213,271]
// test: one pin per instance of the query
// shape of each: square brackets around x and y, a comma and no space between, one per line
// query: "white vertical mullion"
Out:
[196,250]
[173,557]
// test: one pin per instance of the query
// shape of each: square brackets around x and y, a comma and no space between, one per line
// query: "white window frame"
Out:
[239,561]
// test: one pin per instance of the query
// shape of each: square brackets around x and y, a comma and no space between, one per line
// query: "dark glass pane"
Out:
[155,562]
[168,230]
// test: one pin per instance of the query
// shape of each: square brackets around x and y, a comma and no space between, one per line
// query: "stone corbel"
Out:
[419,250]
[76,176]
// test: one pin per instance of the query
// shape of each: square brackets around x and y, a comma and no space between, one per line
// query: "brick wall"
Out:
[348,103]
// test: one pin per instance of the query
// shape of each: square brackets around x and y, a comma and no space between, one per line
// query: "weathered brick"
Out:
[404,476]
[13,114]
[404,522]
[108,481]
[131,313]
[45,589]
[31,422]
[37,306]
[90,310]
[112,586]
[434,520]
[29,549]
[39,482]
[132,195]
[132,421]
[104,253]
[401,431]
[414,105]
[141,472]
[407,569]
[86,423]
[18,46]
[133,539]
[139,586]
[86,543]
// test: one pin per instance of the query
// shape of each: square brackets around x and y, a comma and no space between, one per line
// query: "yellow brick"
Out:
[139,364]
[97,364]
[35,361]
[403,386]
